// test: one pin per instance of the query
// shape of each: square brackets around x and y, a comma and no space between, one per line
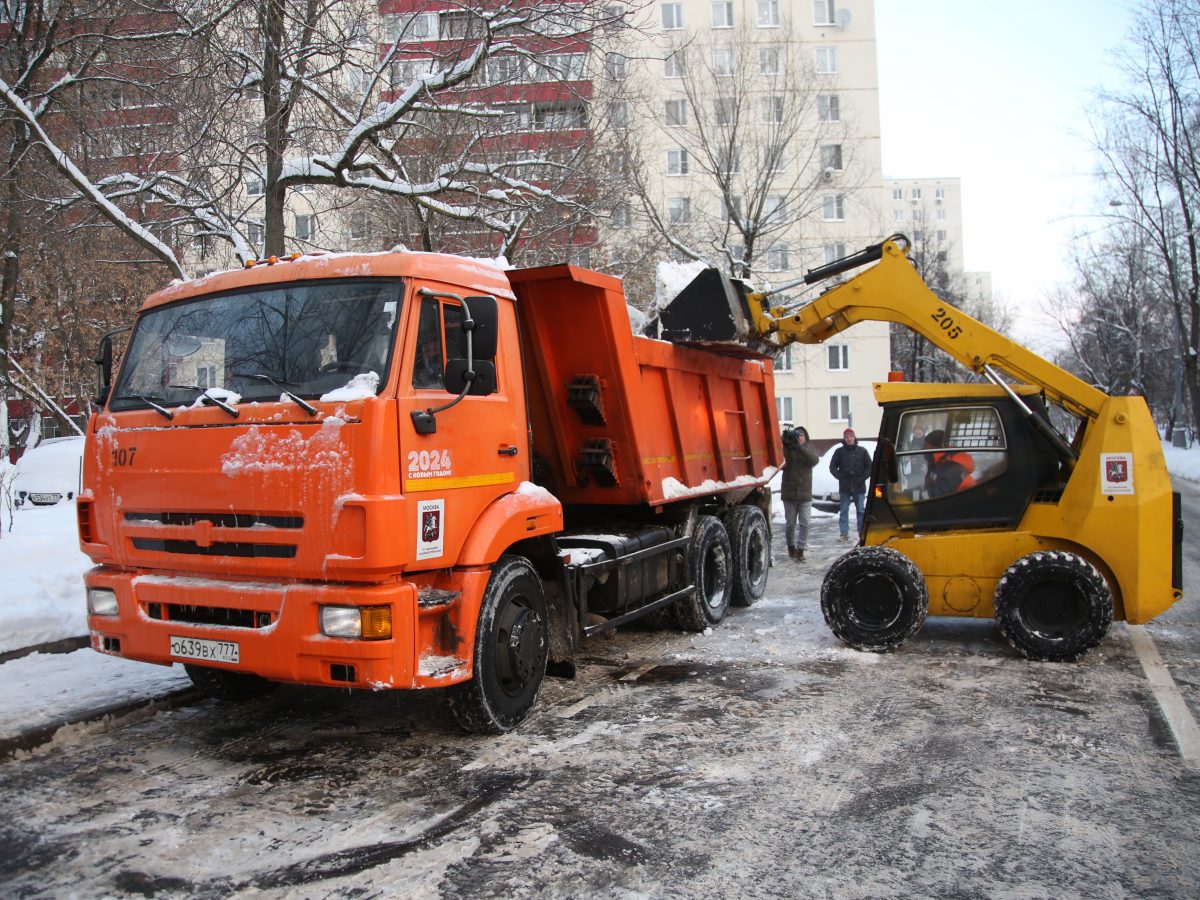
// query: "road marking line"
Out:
[1174,708]
[638,672]
[577,708]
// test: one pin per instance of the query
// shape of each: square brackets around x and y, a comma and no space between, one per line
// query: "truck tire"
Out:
[511,649]
[874,599]
[233,687]
[1053,606]
[750,538]
[710,567]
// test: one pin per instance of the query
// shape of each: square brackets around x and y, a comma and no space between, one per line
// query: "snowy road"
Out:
[761,760]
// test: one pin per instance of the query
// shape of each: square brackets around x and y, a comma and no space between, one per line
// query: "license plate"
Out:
[198,648]
[45,499]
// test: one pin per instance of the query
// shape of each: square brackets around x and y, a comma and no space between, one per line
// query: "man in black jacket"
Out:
[798,460]
[851,466]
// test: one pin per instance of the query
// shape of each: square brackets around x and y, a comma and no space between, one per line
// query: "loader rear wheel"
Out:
[1053,606]
[233,687]
[874,599]
[511,649]
[750,538]
[710,567]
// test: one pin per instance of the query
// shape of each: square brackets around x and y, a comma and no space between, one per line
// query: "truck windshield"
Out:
[308,338]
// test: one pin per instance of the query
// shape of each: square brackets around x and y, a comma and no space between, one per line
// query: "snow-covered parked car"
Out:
[49,473]
[825,487]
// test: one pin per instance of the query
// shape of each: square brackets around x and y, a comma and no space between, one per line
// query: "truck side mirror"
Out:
[485,315]
[482,384]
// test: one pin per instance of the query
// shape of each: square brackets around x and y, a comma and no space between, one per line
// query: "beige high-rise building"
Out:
[755,124]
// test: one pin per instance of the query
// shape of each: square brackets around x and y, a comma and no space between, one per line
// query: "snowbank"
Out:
[42,596]
[1183,463]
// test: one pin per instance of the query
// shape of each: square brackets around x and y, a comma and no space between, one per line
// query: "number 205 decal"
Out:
[946,323]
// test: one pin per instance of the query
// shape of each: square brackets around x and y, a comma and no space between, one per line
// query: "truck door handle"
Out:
[507,451]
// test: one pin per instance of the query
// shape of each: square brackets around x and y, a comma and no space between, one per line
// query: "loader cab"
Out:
[957,457]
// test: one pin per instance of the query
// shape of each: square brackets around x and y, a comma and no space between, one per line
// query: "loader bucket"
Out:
[711,312]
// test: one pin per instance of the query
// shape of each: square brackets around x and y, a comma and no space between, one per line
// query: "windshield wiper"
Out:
[205,395]
[149,401]
[262,376]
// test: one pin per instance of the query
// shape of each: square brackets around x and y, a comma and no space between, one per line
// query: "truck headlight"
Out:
[367,623]
[101,602]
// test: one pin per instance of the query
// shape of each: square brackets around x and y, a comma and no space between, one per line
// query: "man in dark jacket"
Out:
[798,460]
[851,466]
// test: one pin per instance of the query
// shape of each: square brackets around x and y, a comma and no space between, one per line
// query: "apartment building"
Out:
[758,141]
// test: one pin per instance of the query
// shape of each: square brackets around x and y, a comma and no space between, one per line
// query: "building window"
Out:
[772,110]
[838,356]
[303,189]
[255,235]
[679,210]
[731,209]
[722,14]
[823,12]
[306,227]
[833,207]
[831,157]
[618,114]
[768,13]
[672,16]
[416,27]
[677,162]
[770,61]
[897,215]
[777,258]
[254,187]
[358,226]
[563,67]
[897,193]
[774,210]
[783,409]
[206,377]
[783,362]
[941,215]
[834,252]
[676,65]
[915,194]
[939,194]
[827,60]
[918,215]
[772,158]
[941,235]
[677,113]
[724,64]
[725,109]
[829,108]
[729,160]
[839,408]
[622,215]
[616,67]
[580,256]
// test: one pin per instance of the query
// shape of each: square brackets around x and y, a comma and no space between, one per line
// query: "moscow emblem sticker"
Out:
[431,534]
[1116,473]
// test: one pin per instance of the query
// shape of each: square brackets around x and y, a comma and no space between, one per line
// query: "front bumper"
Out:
[276,626]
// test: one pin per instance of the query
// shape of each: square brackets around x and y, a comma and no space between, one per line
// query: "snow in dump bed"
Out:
[673,488]
[360,387]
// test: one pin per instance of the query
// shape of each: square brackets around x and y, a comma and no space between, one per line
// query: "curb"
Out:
[64,645]
[29,740]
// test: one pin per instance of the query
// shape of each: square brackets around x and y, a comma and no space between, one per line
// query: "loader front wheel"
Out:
[1053,606]
[750,539]
[710,567]
[874,599]
[511,649]
[232,687]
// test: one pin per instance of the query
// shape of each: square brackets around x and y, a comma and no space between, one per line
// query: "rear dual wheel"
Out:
[710,564]
[750,541]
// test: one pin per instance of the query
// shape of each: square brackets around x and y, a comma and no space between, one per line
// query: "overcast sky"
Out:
[997,93]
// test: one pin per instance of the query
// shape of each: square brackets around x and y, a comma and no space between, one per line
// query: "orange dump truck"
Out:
[410,470]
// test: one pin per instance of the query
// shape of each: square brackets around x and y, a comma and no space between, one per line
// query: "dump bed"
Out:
[623,419]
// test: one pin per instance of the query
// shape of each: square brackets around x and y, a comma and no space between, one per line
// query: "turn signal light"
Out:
[377,623]
[367,623]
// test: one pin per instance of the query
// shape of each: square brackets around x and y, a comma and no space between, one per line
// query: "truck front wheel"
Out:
[1053,605]
[874,599]
[221,684]
[511,646]
[710,566]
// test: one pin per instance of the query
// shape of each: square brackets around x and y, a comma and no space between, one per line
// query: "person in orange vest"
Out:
[949,471]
